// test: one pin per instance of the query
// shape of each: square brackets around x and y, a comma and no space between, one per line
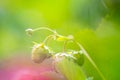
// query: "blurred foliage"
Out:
[89,12]
[94,23]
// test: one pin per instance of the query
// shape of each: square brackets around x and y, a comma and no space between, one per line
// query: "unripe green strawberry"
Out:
[75,56]
[40,52]
[65,65]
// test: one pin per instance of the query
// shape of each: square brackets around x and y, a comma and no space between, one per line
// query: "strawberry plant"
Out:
[68,62]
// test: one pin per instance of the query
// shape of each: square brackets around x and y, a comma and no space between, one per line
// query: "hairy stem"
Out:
[64,46]
[45,28]
[47,39]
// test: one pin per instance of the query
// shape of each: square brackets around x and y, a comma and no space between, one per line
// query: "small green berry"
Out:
[40,52]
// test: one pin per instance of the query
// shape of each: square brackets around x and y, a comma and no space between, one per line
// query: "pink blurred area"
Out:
[21,67]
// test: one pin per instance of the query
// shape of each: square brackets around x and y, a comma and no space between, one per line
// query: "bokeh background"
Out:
[94,23]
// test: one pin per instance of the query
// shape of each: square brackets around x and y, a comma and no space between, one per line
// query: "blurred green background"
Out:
[94,23]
